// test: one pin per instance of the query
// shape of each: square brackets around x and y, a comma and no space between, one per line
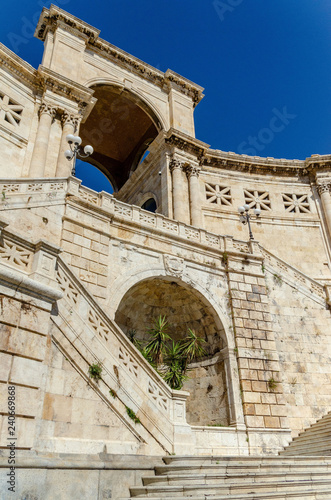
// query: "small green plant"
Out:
[216,425]
[132,415]
[225,258]
[235,350]
[3,195]
[293,381]
[272,383]
[277,279]
[113,393]
[156,346]
[262,268]
[247,439]
[95,371]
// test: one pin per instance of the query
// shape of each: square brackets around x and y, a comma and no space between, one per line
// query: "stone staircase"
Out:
[238,478]
[316,440]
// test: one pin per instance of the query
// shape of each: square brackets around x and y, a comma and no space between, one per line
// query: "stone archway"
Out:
[121,126]
[184,308]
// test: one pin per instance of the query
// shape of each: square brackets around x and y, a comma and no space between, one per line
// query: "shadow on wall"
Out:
[183,308]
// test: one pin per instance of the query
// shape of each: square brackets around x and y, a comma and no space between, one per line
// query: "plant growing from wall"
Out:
[277,279]
[95,371]
[132,415]
[272,384]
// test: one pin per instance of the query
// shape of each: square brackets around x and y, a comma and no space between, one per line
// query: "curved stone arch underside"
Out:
[121,125]
[184,307]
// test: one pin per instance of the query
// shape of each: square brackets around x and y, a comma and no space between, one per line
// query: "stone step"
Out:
[221,478]
[318,427]
[227,468]
[309,449]
[202,461]
[323,494]
[310,440]
[203,491]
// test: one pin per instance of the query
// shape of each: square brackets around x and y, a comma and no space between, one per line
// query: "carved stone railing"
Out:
[293,276]
[125,371]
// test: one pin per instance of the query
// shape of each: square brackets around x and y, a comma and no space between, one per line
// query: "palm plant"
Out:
[175,376]
[159,337]
[192,347]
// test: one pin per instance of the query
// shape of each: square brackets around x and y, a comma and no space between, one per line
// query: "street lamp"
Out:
[245,217]
[74,143]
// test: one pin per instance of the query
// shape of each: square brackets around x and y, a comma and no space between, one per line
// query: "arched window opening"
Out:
[149,205]
[92,177]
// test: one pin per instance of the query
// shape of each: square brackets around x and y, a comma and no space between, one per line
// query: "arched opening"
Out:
[149,205]
[183,308]
[92,177]
[120,128]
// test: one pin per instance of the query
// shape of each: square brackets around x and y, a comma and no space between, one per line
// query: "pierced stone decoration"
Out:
[10,188]
[10,111]
[241,247]
[257,199]
[125,212]
[300,278]
[15,255]
[90,198]
[57,186]
[128,361]
[219,195]
[318,289]
[296,203]
[35,187]
[212,240]
[191,234]
[158,396]
[98,325]
[148,219]
[171,226]
[67,288]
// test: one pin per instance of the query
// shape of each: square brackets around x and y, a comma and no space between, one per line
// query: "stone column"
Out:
[179,192]
[192,173]
[39,155]
[69,124]
[323,189]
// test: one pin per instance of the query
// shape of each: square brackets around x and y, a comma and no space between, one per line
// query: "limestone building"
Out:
[80,269]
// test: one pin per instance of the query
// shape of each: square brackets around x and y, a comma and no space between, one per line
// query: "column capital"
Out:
[192,170]
[323,186]
[70,119]
[48,109]
[175,164]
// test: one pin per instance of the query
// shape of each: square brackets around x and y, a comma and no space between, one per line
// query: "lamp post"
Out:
[74,143]
[245,217]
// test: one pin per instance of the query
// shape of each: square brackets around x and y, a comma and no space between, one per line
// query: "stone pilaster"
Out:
[39,155]
[69,125]
[192,173]
[258,361]
[179,192]
[323,188]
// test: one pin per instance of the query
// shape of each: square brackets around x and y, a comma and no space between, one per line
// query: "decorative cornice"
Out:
[55,17]
[49,80]
[52,17]
[17,66]
[186,143]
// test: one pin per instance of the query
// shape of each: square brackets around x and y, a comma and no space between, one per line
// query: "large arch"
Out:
[120,127]
[184,307]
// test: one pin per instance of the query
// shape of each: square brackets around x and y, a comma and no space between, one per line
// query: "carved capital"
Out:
[175,164]
[47,109]
[70,119]
[323,187]
[192,171]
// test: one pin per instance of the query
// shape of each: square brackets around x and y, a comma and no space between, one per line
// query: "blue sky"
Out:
[255,58]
